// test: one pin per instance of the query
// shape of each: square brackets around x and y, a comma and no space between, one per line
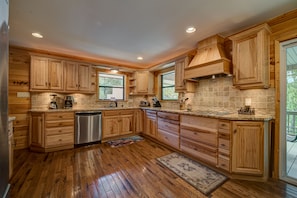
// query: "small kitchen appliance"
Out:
[144,103]
[53,104]
[68,103]
[156,102]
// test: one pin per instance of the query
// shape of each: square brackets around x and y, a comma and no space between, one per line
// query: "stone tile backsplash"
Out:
[215,94]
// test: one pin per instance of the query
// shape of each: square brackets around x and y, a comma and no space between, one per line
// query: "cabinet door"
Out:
[71,75]
[111,126]
[37,130]
[56,72]
[39,73]
[138,121]
[251,58]
[180,83]
[248,147]
[142,80]
[126,124]
[84,77]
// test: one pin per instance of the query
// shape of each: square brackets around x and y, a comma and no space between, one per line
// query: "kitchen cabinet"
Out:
[248,148]
[77,76]
[141,83]
[168,129]
[138,121]
[51,131]
[251,57]
[117,122]
[199,137]
[150,123]
[181,84]
[224,145]
[46,74]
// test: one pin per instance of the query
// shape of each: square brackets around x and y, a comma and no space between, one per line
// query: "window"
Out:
[111,86]
[168,86]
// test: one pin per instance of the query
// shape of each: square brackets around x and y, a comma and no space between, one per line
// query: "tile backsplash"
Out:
[218,93]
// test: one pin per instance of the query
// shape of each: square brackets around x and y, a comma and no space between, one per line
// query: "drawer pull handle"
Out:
[60,140]
[223,145]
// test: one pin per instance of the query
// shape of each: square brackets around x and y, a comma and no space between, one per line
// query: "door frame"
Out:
[282,110]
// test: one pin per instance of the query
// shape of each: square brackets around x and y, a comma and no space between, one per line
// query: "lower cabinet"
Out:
[199,137]
[117,122]
[224,145]
[248,148]
[150,123]
[168,129]
[51,131]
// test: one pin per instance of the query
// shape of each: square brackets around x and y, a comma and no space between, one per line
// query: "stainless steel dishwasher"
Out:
[87,127]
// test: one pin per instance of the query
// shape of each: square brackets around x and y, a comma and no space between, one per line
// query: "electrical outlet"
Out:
[23,95]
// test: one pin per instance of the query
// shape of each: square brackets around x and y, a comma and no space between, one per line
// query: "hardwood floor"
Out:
[128,171]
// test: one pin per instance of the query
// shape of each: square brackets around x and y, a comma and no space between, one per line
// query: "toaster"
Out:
[144,104]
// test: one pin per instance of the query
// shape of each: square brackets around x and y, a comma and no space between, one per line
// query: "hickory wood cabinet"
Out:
[51,131]
[141,83]
[224,145]
[49,74]
[46,74]
[181,84]
[248,148]
[251,57]
[199,137]
[150,123]
[168,129]
[117,122]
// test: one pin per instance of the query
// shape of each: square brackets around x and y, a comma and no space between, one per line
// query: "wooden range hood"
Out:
[210,59]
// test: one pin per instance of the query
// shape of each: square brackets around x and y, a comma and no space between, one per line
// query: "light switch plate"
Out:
[23,94]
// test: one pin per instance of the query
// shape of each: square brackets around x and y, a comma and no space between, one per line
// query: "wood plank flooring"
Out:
[128,171]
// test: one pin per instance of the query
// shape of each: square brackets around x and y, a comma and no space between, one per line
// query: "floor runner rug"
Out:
[124,141]
[201,177]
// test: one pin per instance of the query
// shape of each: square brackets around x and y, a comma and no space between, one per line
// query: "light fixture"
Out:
[139,58]
[213,77]
[114,70]
[191,29]
[37,35]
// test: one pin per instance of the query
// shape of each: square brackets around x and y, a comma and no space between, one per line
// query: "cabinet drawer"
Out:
[202,123]
[168,138]
[224,162]
[200,151]
[205,137]
[59,130]
[127,112]
[224,126]
[111,113]
[50,124]
[59,140]
[167,126]
[224,144]
[170,116]
[59,116]
[151,114]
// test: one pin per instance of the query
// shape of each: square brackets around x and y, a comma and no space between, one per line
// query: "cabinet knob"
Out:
[235,131]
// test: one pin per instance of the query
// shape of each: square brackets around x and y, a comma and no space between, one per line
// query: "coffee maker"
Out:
[68,103]
[53,104]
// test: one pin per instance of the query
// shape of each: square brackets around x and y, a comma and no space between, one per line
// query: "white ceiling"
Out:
[121,30]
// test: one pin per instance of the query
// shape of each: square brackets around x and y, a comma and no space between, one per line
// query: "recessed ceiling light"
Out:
[139,58]
[37,35]
[190,29]
[114,70]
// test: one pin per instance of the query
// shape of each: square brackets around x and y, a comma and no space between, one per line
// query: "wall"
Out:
[19,63]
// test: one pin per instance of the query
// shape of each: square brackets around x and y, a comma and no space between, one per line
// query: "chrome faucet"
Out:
[113,102]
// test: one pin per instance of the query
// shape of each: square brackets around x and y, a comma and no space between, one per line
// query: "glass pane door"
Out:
[288,111]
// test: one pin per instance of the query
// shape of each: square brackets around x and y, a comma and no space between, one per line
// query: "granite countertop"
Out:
[84,109]
[218,113]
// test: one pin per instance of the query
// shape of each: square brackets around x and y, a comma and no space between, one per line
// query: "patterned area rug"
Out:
[124,141]
[202,178]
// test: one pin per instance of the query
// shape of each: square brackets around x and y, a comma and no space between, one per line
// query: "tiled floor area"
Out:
[292,159]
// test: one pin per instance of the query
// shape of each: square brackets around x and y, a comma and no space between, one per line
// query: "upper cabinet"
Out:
[181,84]
[46,74]
[141,83]
[77,76]
[61,76]
[251,57]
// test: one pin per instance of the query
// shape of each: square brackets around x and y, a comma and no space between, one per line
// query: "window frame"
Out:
[110,73]
[161,85]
